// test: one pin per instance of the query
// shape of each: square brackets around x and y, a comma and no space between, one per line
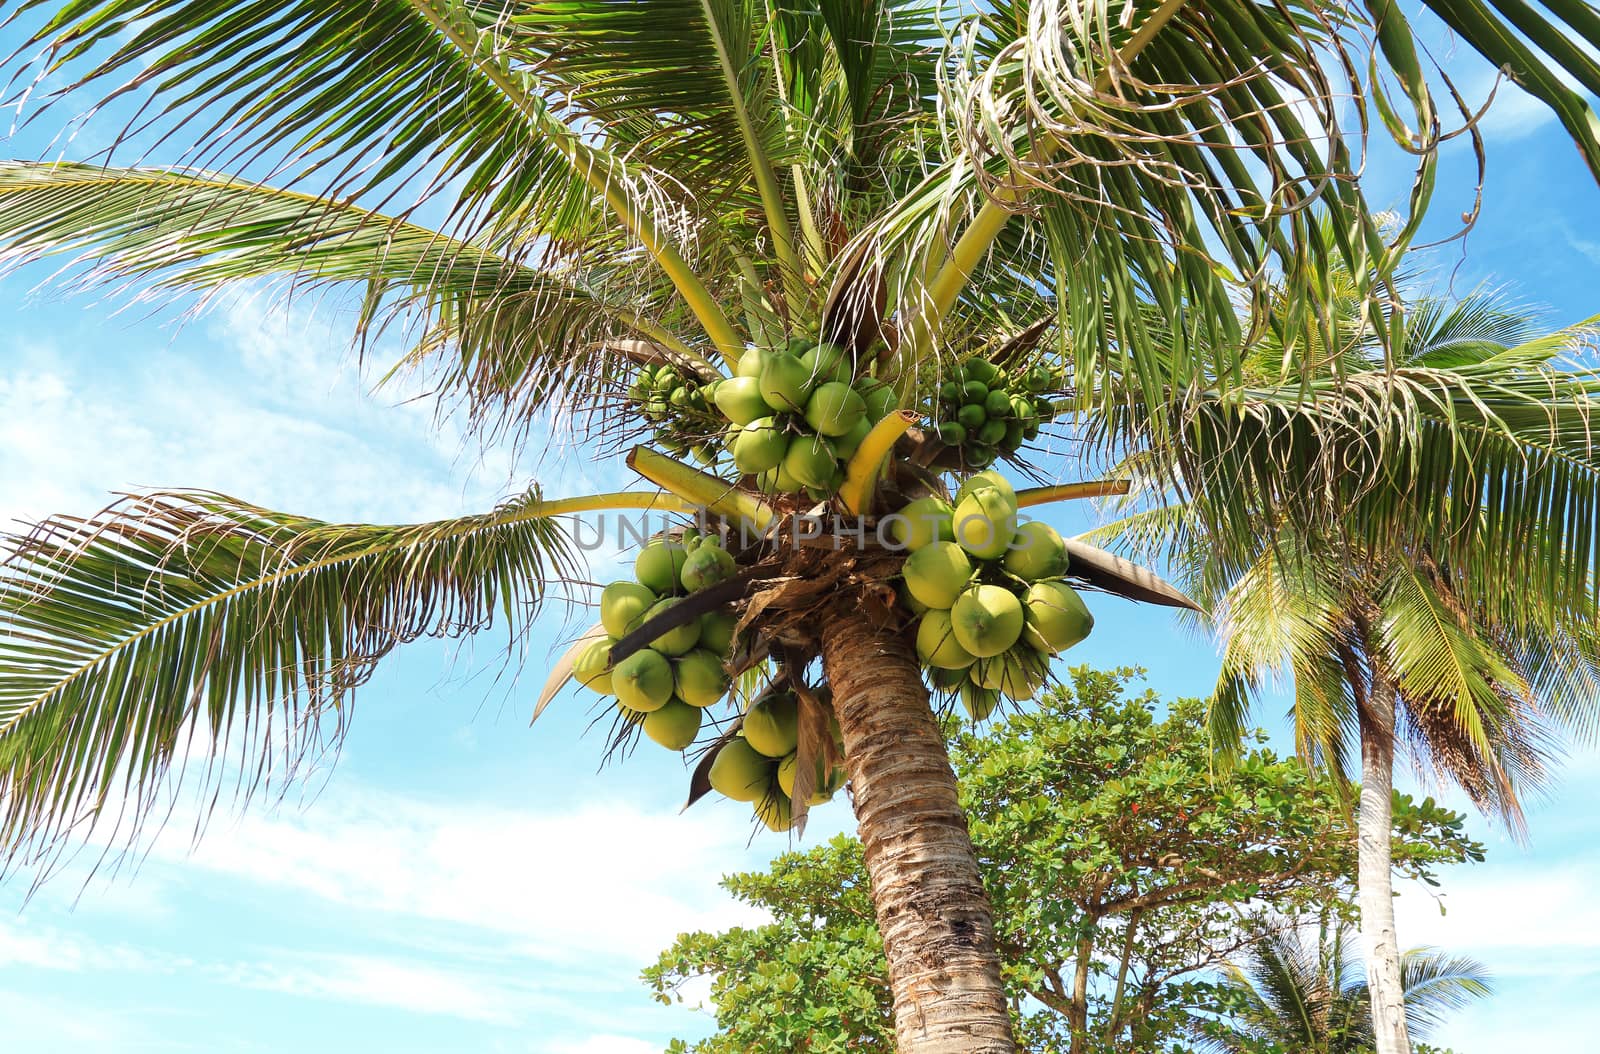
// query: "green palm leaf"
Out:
[451,111]
[1569,36]
[181,617]
[511,333]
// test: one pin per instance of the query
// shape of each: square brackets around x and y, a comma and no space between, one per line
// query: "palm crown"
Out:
[1091,188]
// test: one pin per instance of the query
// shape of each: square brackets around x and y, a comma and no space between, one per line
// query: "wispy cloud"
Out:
[608,882]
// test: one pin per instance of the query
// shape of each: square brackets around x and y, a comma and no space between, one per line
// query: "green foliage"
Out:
[1296,995]
[1102,833]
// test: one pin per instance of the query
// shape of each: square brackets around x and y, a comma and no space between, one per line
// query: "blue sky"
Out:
[464,882]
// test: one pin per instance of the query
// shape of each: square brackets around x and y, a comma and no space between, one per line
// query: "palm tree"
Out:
[663,181]
[1310,997]
[1467,652]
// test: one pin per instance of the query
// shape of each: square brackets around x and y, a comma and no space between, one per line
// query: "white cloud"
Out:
[605,884]
[370,980]
[32,946]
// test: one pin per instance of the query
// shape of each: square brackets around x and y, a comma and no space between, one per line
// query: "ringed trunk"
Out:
[1380,947]
[936,921]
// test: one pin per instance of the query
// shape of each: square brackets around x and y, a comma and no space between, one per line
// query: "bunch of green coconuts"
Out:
[760,763]
[665,688]
[679,405]
[791,416]
[987,411]
[989,590]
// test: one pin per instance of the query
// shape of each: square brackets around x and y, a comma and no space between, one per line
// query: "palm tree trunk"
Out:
[1373,869]
[937,925]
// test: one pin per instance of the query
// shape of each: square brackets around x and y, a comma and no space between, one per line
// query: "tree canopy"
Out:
[1124,870]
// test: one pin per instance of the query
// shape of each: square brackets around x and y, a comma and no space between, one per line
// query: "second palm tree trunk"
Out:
[1380,945]
[936,921]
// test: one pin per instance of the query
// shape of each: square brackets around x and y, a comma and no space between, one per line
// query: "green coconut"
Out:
[759,445]
[937,573]
[592,667]
[978,702]
[991,480]
[828,362]
[1025,673]
[937,645]
[810,460]
[992,432]
[621,605]
[772,725]
[1056,617]
[674,725]
[987,620]
[738,772]
[659,565]
[834,408]
[643,681]
[846,445]
[750,363]
[1037,551]
[678,639]
[785,383]
[823,786]
[698,677]
[706,566]
[776,812]
[925,521]
[716,632]
[985,523]
[909,599]
[739,399]
[879,397]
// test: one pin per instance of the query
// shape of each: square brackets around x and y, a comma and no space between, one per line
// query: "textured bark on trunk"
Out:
[936,921]
[1380,946]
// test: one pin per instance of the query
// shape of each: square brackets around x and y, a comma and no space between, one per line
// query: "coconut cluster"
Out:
[664,688]
[758,765]
[795,415]
[990,593]
[987,411]
[679,405]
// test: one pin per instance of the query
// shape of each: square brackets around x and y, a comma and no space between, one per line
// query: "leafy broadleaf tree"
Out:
[674,182]
[1123,877]
[1471,653]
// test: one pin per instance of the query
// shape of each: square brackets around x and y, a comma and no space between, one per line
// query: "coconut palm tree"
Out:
[1309,996]
[1470,655]
[610,183]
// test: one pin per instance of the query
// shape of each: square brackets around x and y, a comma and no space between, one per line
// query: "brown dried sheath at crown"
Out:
[853,314]
[648,353]
[1123,578]
[689,608]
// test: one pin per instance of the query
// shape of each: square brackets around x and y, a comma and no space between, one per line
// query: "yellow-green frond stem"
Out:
[653,501]
[866,464]
[955,270]
[604,173]
[1099,488]
[700,490]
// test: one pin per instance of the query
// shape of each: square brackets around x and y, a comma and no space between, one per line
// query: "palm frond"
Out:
[178,620]
[512,333]
[293,83]
[684,85]
[1436,984]
[1568,34]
